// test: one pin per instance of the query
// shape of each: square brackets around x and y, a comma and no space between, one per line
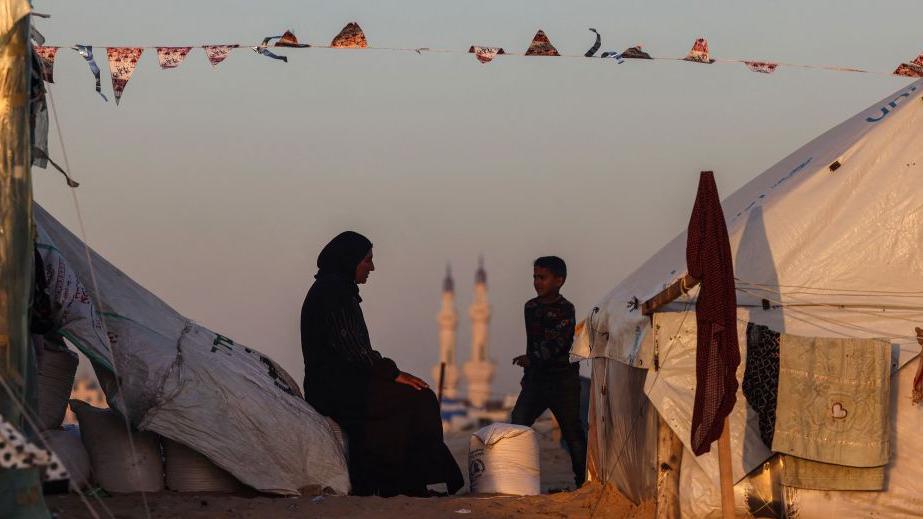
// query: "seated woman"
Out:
[391,418]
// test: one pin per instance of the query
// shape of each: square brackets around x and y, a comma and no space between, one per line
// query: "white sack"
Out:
[66,443]
[504,459]
[117,467]
[189,471]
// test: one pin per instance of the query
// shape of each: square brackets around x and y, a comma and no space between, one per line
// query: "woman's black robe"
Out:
[395,431]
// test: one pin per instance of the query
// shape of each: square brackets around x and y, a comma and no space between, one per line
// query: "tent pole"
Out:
[669,294]
[724,467]
[669,456]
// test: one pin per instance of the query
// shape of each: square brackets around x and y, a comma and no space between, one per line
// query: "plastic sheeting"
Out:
[836,222]
[182,381]
[672,391]
[622,439]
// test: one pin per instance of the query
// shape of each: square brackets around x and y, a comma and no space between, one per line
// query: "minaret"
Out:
[479,371]
[448,324]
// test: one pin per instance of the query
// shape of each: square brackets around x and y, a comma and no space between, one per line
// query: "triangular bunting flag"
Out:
[171,57]
[46,56]
[218,53]
[599,43]
[909,70]
[763,67]
[122,63]
[699,52]
[87,52]
[913,69]
[288,39]
[350,37]
[485,54]
[541,46]
[635,53]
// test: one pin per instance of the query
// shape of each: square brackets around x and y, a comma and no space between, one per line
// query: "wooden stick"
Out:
[669,294]
[669,456]
[724,467]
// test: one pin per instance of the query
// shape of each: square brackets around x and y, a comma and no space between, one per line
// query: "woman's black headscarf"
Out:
[343,254]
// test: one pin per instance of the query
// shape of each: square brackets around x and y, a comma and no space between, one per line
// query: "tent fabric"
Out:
[671,389]
[622,437]
[835,223]
[184,382]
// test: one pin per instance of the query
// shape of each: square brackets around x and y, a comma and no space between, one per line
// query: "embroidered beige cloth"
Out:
[802,473]
[833,400]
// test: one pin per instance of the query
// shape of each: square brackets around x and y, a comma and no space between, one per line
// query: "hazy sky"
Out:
[216,189]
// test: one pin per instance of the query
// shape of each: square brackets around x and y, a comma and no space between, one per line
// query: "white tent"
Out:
[830,242]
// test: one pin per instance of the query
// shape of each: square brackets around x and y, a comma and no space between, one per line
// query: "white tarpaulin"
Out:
[837,223]
[185,382]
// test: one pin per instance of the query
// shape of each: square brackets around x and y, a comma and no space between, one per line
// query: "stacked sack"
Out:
[57,367]
[121,463]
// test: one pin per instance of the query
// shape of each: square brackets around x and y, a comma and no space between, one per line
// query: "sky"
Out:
[216,189]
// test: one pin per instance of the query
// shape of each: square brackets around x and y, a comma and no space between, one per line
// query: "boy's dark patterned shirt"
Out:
[549,334]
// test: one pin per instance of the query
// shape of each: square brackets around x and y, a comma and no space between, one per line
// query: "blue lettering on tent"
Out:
[885,110]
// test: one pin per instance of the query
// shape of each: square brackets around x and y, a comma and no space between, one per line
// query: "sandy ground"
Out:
[593,500]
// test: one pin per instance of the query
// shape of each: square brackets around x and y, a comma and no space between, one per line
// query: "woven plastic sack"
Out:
[56,371]
[189,471]
[67,445]
[504,459]
[106,439]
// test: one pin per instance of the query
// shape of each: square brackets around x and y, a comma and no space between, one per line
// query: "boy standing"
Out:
[550,380]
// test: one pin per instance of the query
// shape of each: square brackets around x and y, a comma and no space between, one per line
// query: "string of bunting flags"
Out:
[123,60]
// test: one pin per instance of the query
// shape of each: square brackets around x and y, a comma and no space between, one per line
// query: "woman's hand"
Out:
[410,380]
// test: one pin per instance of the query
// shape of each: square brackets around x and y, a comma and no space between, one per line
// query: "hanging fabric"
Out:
[709,259]
[16,452]
[485,54]
[87,52]
[763,67]
[596,45]
[218,53]
[46,56]
[635,53]
[350,37]
[122,64]
[171,57]
[699,52]
[541,46]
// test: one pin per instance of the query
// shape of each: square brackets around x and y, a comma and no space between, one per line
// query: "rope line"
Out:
[421,50]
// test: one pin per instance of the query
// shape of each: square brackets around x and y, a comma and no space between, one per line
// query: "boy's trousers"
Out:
[560,392]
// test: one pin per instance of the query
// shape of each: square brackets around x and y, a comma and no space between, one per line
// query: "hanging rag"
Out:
[801,473]
[596,45]
[708,259]
[761,377]
[833,400]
